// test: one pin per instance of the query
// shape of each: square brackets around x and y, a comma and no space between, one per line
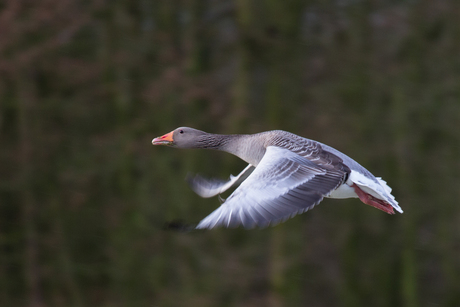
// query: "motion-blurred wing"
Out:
[282,185]
[211,187]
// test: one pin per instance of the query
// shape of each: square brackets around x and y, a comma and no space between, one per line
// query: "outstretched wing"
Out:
[282,185]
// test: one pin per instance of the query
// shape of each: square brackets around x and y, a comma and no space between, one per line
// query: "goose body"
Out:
[286,175]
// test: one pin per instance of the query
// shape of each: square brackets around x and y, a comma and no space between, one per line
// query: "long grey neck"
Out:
[244,146]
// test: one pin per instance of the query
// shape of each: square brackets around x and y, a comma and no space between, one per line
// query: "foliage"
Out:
[84,197]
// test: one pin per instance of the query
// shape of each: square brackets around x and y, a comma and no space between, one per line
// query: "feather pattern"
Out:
[290,175]
[284,184]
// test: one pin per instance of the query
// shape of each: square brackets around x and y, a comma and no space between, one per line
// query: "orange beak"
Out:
[166,139]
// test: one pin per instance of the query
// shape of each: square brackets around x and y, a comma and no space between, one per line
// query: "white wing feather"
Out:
[282,185]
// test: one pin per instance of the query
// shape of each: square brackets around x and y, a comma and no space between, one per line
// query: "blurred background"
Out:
[85,199]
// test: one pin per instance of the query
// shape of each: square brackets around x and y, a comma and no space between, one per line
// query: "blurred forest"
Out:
[84,196]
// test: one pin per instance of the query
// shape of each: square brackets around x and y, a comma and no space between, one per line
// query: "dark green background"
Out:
[84,196]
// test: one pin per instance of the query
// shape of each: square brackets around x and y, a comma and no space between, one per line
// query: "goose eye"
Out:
[181,131]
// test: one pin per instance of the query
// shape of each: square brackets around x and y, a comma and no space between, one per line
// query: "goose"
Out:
[286,175]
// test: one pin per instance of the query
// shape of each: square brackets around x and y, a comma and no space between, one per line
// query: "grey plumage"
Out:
[292,174]
[268,196]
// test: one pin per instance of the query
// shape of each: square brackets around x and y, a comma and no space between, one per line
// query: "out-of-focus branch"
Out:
[21,24]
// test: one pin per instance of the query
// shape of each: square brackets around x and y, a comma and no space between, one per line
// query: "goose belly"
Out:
[343,191]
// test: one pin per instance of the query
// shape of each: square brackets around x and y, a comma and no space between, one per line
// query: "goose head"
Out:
[182,137]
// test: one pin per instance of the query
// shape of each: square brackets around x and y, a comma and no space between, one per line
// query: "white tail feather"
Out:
[378,189]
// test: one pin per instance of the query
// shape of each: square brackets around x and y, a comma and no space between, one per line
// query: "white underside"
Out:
[344,191]
[379,190]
